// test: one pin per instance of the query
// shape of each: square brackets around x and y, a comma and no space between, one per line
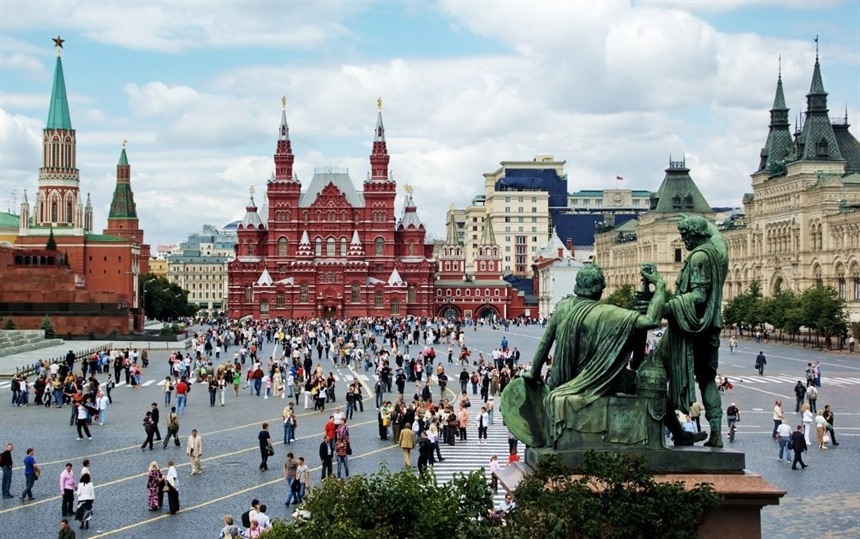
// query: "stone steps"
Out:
[13,341]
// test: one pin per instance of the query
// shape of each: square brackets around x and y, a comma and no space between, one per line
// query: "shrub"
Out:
[48,327]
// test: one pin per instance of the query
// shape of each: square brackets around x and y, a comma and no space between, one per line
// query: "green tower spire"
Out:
[58,114]
[122,206]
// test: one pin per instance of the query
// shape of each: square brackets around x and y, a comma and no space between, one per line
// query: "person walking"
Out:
[194,450]
[798,443]
[784,434]
[156,415]
[82,423]
[799,394]
[154,486]
[407,443]
[778,416]
[326,456]
[828,416]
[102,402]
[167,389]
[181,395]
[86,495]
[425,452]
[808,419]
[821,429]
[289,423]
[171,483]
[290,467]
[172,427]
[812,397]
[341,449]
[482,421]
[6,467]
[147,427]
[303,476]
[266,449]
[760,362]
[67,490]
[65,531]
[31,473]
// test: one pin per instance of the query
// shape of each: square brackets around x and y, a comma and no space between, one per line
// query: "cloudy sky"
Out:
[613,88]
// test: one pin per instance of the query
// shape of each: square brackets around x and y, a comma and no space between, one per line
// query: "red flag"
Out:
[618,178]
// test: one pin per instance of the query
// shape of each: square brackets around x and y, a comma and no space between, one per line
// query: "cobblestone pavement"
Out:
[822,501]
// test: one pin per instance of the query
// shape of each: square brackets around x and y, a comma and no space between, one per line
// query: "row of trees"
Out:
[818,309]
[164,300]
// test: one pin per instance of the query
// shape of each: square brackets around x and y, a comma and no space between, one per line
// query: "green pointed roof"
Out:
[779,147]
[817,85]
[122,206]
[817,141]
[123,158]
[58,114]
[679,193]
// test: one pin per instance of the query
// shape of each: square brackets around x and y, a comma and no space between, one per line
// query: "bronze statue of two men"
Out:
[594,343]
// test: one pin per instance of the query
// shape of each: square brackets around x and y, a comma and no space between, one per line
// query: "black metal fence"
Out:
[30,369]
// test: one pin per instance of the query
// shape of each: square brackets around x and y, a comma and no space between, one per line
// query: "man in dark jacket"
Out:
[799,393]
[798,443]
[828,416]
[326,457]
[425,451]
[760,362]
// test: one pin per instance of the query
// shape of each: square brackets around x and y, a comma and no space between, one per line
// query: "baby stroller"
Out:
[725,386]
[84,513]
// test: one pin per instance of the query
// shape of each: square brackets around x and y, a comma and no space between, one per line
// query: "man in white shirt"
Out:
[262,518]
[783,432]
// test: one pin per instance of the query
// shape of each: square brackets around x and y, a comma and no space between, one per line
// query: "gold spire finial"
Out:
[283,102]
[379,104]
[58,43]
[408,188]
[124,143]
[251,190]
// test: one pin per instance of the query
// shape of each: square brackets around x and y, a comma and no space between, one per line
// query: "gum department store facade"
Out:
[801,223]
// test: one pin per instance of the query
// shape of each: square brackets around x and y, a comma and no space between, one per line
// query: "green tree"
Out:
[822,310]
[48,327]
[745,308]
[624,297]
[394,506]
[51,245]
[10,324]
[163,300]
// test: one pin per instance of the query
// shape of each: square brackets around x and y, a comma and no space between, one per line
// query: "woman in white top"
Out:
[807,422]
[821,425]
[86,495]
[167,389]
[102,404]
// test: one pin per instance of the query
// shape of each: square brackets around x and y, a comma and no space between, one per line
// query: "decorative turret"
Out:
[251,232]
[817,142]
[88,215]
[451,265]
[305,249]
[59,181]
[488,263]
[379,155]
[409,218]
[779,147]
[284,157]
[24,218]
[355,248]
[122,220]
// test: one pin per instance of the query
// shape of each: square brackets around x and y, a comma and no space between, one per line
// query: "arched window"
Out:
[279,300]
[395,306]
[55,210]
[249,294]
[69,212]
[379,246]
[318,248]
[355,293]
[343,247]
[411,294]
[282,246]
[377,299]
[330,247]
[264,307]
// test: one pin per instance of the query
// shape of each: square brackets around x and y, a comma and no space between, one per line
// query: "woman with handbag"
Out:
[155,486]
[821,429]
[266,449]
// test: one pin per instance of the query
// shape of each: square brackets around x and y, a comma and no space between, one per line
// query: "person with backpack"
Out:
[172,427]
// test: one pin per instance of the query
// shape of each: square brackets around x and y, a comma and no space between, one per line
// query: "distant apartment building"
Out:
[199,265]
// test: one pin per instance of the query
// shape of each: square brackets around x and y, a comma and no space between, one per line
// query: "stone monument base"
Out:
[688,459]
[744,494]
